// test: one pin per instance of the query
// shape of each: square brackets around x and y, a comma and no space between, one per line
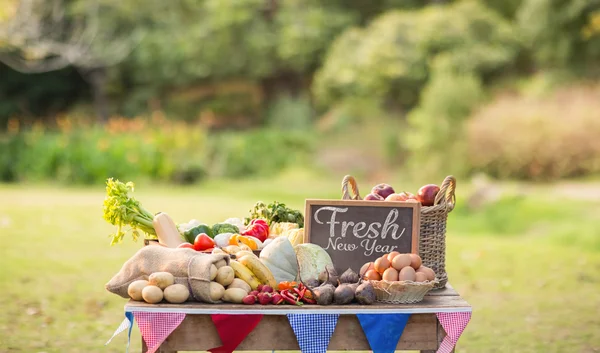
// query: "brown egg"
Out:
[390,275]
[428,272]
[401,261]
[373,275]
[365,268]
[382,264]
[415,261]
[392,255]
[407,274]
[420,277]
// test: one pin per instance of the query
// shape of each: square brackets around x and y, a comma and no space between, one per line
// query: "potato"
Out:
[240,283]
[135,289]
[213,272]
[216,291]
[225,275]
[152,294]
[176,293]
[220,263]
[161,279]
[234,295]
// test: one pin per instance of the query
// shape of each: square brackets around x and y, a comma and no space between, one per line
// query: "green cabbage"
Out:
[312,260]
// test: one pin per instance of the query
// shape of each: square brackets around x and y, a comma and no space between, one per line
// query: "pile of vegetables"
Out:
[274,229]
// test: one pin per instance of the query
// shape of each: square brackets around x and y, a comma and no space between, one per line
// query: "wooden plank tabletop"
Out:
[441,300]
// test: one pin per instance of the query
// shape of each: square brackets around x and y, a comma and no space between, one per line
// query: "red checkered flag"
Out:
[454,324]
[156,327]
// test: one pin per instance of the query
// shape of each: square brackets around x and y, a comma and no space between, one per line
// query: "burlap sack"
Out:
[188,266]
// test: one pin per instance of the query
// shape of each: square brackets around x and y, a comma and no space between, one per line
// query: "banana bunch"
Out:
[250,269]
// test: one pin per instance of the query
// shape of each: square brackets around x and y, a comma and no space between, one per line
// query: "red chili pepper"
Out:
[289,297]
[309,300]
[285,294]
[300,292]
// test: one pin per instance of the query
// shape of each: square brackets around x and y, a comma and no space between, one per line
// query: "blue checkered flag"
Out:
[313,340]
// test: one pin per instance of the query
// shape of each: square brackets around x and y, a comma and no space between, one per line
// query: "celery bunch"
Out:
[120,209]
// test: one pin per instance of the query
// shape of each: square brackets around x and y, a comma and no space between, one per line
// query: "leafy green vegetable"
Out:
[190,234]
[225,228]
[120,209]
[275,212]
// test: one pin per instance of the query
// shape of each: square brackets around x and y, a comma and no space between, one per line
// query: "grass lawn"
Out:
[530,266]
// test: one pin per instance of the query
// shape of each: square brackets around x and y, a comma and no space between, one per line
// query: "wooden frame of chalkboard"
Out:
[354,232]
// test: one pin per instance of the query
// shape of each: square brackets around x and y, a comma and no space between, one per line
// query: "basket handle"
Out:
[446,193]
[351,182]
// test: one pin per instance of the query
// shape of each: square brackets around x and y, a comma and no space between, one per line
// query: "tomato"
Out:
[203,242]
[185,246]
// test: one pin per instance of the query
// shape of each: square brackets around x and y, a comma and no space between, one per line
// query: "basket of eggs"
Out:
[436,203]
[399,278]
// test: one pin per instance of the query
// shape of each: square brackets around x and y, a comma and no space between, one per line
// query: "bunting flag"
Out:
[313,340]
[454,324]
[126,324]
[156,327]
[233,329]
[383,331]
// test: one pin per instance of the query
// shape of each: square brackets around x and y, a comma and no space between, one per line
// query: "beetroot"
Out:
[266,289]
[324,294]
[254,293]
[365,293]
[259,288]
[264,298]
[329,275]
[344,294]
[312,282]
[249,299]
[349,276]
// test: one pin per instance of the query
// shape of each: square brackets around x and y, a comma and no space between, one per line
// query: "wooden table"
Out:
[197,333]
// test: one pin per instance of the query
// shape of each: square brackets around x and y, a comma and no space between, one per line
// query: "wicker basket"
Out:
[401,292]
[432,234]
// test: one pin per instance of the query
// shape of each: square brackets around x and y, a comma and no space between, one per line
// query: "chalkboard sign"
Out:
[354,232]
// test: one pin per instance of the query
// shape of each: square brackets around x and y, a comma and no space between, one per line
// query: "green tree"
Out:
[562,33]
[41,36]
[393,55]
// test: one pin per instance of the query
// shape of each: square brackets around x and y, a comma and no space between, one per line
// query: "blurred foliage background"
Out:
[185,90]
[211,105]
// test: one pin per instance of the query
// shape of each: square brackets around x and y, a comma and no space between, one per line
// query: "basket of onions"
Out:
[399,278]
